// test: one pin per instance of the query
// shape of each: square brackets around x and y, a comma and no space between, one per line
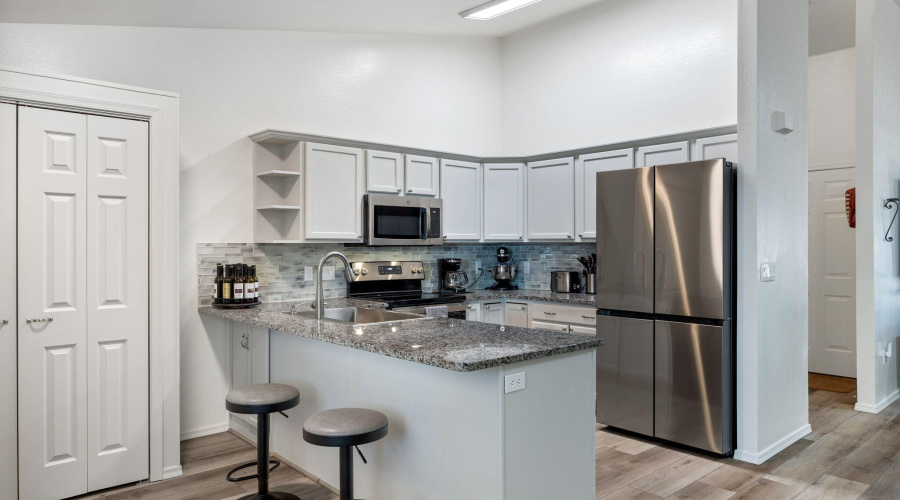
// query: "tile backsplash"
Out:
[281,268]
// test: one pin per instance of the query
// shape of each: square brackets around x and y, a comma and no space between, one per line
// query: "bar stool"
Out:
[346,428]
[262,400]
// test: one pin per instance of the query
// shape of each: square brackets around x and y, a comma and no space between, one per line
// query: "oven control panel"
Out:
[388,270]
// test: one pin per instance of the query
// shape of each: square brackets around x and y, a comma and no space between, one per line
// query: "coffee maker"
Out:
[453,279]
[504,271]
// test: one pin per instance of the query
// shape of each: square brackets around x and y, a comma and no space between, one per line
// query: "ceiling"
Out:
[427,17]
[832,25]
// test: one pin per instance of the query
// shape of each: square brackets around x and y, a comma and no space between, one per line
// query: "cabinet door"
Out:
[663,154]
[540,325]
[52,239]
[333,194]
[8,462]
[583,330]
[504,202]
[384,172]
[492,312]
[422,175]
[515,314]
[723,146]
[551,203]
[586,169]
[473,312]
[461,193]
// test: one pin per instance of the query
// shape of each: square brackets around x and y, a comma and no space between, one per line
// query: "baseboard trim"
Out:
[204,431]
[884,403]
[308,474]
[172,472]
[771,451]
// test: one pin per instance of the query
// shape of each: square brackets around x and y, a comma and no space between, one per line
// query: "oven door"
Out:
[456,310]
[402,220]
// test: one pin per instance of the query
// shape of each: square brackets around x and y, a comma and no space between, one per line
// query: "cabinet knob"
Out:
[444,236]
[4,322]
[520,237]
[469,307]
[523,308]
[580,235]
[569,236]
[409,190]
[39,320]
[399,190]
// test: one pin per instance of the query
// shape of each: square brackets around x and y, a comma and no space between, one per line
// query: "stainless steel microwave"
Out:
[403,220]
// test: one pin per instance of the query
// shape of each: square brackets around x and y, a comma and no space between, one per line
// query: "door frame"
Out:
[160,109]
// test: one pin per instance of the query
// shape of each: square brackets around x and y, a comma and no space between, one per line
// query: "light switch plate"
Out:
[308,274]
[328,273]
[767,271]
[515,382]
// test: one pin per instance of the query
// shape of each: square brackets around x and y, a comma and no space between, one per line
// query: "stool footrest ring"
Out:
[251,464]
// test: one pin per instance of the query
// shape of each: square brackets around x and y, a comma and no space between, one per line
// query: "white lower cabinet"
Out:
[584,330]
[540,325]
[249,363]
[551,201]
[492,312]
[515,314]
[333,193]
[473,311]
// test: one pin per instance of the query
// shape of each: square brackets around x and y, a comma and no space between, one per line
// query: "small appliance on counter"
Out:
[565,282]
[453,279]
[236,286]
[504,271]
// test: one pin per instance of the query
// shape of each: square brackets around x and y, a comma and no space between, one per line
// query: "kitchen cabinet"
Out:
[541,325]
[422,175]
[723,146]
[662,154]
[249,360]
[333,193]
[515,314]
[504,202]
[551,204]
[583,330]
[384,172]
[492,312]
[9,486]
[586,168]
[473,311]
[461,194]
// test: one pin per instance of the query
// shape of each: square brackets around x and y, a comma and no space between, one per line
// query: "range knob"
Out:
[421,270]
[356,272]
[365,271]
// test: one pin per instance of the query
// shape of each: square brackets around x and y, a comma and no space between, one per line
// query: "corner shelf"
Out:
[278,192]
[279,207]
[279,174]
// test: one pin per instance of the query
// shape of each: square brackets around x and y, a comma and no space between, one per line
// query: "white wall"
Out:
[429,92]
[832,108]
[878,178]
[620,70]
[772,226]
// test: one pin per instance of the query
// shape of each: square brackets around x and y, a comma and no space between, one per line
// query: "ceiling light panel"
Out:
[495,8]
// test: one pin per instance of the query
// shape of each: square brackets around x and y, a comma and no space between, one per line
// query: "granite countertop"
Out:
[452,344]
[583,299]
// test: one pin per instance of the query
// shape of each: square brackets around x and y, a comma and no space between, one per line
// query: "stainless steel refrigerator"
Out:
[665,298]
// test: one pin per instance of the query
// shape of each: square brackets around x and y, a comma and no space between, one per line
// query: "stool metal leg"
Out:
[262,452]
[346,473]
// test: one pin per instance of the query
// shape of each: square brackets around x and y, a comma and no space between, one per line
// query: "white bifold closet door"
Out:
[82,261]
[9,472]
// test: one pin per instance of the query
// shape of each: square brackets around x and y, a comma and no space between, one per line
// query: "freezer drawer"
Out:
[693,385]
[625,374]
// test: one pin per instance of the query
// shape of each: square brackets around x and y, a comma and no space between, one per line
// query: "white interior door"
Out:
[8,461]
[52,226]
[832,275]
[117,302]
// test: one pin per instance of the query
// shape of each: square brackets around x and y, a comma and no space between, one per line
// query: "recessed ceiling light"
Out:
[495,8]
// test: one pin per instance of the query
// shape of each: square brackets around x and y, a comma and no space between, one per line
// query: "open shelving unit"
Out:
[278,191]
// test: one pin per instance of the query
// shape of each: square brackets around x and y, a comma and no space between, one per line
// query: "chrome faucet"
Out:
[320,297]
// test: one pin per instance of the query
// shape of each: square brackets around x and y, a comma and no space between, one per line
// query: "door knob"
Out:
[4,322]
[39,320]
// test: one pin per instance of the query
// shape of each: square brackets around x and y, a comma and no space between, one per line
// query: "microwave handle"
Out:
[425,223]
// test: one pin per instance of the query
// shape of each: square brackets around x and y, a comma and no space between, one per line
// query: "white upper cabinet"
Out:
[461,194]
[422,175]
[551,204]
[504,202]
[384,172]
[663,154]
[723,146]
[586,168]
[334,191]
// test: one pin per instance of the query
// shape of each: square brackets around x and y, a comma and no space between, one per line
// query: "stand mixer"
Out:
[504,271]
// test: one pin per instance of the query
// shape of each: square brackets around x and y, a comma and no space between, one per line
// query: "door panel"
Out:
[422,175]
[832,275]
[689,384]
[8,325]
[333,192]
[690,237]
[625,240]
[118,302]
[625,374]
[550,200]
[723,146]
[662,154]
[461,192]
[586,169]
[52,224]
[384,172]
[504,202]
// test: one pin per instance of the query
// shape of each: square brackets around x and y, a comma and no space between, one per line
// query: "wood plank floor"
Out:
[849,455]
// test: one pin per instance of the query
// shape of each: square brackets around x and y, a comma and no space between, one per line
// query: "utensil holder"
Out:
[590,283]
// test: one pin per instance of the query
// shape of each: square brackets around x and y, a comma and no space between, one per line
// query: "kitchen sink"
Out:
[360,315]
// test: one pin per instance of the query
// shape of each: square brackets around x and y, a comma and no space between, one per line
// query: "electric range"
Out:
[399,284]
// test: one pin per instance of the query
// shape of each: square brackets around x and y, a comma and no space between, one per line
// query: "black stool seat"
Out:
[262,400]
[257,399]
[345,427]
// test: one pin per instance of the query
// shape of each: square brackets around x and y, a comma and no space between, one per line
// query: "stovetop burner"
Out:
[395,300]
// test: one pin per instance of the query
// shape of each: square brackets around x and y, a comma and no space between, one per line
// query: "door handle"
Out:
[244,341]
[39,320]
[4,322]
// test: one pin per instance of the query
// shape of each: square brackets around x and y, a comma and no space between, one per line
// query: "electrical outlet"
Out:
[767,271]
[477,265]
[328,273]
[526,267]
[308,274]
[515,382]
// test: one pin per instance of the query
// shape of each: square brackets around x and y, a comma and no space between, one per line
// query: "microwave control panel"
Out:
[435,231]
